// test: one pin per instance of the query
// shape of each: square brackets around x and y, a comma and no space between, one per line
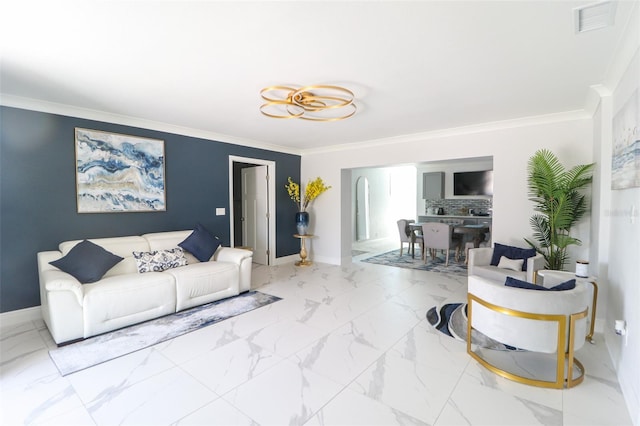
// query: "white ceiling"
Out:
[414,66]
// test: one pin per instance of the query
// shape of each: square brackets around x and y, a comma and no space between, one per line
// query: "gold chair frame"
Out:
[563,335]
[594,304]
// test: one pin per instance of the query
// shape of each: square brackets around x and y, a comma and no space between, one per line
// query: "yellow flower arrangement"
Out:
[312,191]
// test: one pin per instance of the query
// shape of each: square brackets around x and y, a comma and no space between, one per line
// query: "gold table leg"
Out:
[303,254]
[593,313]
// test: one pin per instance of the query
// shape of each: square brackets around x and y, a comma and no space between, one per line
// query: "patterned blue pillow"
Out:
[201,243]
[159,260]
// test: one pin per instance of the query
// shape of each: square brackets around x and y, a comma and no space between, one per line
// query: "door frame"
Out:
[271,201]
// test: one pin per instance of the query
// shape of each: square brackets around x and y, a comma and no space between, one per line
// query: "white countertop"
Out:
[466,216]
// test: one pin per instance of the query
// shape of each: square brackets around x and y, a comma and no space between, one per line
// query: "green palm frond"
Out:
[541,230]
[558,204]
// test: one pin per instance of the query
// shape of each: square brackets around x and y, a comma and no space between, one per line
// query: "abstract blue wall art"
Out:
[625,164]
[119,173]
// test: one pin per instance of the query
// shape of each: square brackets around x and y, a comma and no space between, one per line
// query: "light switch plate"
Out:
[220,211]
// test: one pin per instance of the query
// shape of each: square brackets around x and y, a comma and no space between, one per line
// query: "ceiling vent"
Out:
[594,16]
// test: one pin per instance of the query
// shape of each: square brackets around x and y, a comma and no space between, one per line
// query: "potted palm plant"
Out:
[559,205]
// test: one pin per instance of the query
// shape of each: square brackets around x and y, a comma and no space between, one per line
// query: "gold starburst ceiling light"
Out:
[313,103]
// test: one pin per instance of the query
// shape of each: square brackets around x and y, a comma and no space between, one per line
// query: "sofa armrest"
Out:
[233,255]
[479,257]
[241,257]
[56,280]
[534,264]
[53,279]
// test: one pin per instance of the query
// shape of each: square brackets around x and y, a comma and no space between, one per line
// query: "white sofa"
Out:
[480,264]
[124,296]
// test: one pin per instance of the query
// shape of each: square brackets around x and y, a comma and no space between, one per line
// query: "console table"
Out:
[303,250]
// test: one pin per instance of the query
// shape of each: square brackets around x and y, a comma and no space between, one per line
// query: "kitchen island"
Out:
[466,219]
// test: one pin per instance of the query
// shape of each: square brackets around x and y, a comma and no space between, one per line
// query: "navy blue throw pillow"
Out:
[511,252]
[87,262]
[201,243]
[513,282]
[567,285]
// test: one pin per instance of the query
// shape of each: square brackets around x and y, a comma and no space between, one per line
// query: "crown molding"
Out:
[457,131]
[594,96]
[90,114]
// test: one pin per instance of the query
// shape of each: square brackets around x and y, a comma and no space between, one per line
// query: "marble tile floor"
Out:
[347,345]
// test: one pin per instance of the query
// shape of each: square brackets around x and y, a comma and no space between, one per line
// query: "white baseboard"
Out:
[21,315]
[599,328]
[286,259]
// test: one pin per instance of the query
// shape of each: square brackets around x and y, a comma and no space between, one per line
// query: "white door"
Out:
[255,212]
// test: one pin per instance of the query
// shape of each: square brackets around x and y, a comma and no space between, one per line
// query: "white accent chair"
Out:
[439,236]
[548,322]
[479,263]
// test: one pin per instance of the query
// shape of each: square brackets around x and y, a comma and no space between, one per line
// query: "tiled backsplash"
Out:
[456,206]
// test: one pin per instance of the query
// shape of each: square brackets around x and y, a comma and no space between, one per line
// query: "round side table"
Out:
[303,250]
[564,276]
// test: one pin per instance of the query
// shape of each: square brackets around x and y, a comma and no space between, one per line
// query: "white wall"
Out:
[511,146]
[388,202]
[619,253]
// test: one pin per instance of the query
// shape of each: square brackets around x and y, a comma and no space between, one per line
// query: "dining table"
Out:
[476,231]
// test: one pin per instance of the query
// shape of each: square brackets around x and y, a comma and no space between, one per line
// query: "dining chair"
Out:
[405,233]
[439,236]
[484,243]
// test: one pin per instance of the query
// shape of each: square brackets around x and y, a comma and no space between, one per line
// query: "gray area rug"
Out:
[105,347]
[393,258]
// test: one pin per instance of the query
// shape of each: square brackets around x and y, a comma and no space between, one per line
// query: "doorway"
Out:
[252,224]
[362,209]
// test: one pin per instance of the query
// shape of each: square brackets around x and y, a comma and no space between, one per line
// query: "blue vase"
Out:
[302,222]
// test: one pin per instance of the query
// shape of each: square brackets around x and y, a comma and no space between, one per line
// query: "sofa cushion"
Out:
[511,252]
[87,262]
[498,274]
[159,260]
[201,243]
[122,300]
[204,282]
[120,246]
[513,282]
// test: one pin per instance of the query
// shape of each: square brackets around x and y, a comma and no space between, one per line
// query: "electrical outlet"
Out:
[220,211]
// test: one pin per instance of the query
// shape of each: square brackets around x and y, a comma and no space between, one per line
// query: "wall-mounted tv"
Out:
[473,183]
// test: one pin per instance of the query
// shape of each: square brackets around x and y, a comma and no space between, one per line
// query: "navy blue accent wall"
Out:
[38,194]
